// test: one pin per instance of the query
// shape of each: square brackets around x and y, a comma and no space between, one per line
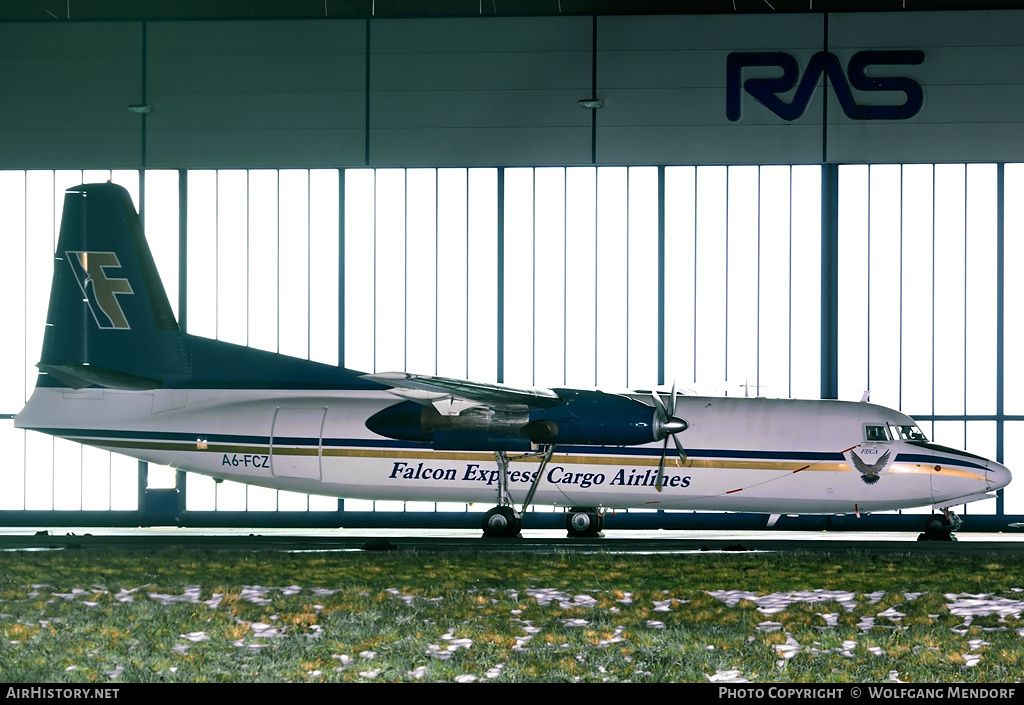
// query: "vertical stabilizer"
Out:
[109,322]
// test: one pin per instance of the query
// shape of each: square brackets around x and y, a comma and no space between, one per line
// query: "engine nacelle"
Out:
[583,418]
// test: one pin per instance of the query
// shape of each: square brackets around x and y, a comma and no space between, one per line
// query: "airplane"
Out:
[116,372]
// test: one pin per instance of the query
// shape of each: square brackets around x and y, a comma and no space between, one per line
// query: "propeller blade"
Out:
[679,447]
[663,413]
[672,410]
[661,465]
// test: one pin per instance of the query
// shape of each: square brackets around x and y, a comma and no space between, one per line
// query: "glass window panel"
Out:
[359,269]
[263,265]
[124,483]
[742,279]
[292,501]
[389,505]
[916,314]
[39,483]
[17,358]
[884,284]
[483,264]
[518,276]
[293,259]
[67,475]
[452,272]
[680,273]
[1013,458]
[323,265]
[160,477]
[358,505]
[389,278]
[91,176]
[201,494]
[580,275]
[451,507]
[231,496]
[95,479]
[612,274]
[949,433]
[853,281]
[1013,264]
[41,227]
[260,499]
[980,294]
[162,231]
[710,276]
[202,252]
[129,178]
[981,440]
[421,272]
[12,470]
[549,277]
[642,274]
[774,283]
[805,253]
[950,256]
[232,256]
[62,181]
[319,503]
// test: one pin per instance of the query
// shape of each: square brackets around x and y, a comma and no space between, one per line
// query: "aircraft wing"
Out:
[450,395]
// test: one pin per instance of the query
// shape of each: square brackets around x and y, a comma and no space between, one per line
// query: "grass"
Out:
[185,615]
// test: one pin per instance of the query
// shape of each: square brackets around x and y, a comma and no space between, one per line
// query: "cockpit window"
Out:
[909,433]
[876,434]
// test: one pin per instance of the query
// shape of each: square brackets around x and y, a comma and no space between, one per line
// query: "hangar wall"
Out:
[503,91]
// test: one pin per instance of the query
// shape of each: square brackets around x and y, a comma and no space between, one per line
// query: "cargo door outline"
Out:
[296,442]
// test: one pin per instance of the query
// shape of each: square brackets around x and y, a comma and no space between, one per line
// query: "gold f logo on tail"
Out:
[100,291]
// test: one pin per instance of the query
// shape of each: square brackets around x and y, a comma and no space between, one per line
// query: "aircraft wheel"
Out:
[936,528]
[583,523]
[501,522]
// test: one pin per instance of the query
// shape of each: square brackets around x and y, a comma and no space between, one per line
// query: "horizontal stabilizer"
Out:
[77,376]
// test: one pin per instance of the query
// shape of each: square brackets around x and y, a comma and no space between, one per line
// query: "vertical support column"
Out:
[593,93]
[1000,326]
[500,278]
[341,268]
[183,250]
[143,468]
[830,281]
[661,275]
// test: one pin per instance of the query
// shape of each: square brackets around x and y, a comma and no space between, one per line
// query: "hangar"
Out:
[788,201]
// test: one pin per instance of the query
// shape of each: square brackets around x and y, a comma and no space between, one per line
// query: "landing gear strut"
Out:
[503,521]
[940,527]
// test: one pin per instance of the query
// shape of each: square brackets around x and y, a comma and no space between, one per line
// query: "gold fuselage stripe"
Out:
[484,457]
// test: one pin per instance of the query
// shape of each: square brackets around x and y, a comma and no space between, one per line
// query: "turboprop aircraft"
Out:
[116,372]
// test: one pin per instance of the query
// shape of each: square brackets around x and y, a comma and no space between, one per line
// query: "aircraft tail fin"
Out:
[109,322]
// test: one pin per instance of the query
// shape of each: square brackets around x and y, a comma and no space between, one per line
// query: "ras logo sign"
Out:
[766,90]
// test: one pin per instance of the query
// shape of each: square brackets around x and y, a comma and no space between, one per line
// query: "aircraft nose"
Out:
[997,475]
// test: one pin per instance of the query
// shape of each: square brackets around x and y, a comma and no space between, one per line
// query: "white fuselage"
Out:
[756,455]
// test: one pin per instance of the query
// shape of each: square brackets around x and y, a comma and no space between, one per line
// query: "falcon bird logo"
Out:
[869,473]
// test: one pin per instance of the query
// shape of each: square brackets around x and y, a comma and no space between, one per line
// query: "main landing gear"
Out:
[940,527]
[584,522]
[505,521]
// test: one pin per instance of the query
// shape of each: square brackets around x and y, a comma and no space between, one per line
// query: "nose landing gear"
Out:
[940,527]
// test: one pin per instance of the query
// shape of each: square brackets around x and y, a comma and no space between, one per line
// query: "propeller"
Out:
[668,425]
